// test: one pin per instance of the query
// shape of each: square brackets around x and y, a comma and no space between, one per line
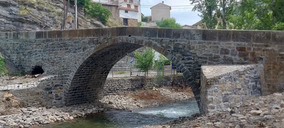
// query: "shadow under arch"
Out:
[92,73]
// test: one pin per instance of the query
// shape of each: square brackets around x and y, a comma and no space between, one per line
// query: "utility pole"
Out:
[76,15]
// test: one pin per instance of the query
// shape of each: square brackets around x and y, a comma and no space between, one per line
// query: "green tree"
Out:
[254,14]
[169,23]
[145,60]
[160,64]
[145,19]
[214,12]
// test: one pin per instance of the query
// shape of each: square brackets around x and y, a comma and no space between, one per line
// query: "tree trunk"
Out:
[224,15]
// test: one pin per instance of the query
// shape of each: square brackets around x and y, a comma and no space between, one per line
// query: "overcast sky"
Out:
[181,10]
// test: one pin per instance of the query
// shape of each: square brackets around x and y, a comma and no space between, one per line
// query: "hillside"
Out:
[19,15]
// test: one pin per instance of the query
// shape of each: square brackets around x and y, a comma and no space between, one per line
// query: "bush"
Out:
[3,70]
[145,19]
[169,23]
[279,26]
[94,10]
[97,11]
[139,24]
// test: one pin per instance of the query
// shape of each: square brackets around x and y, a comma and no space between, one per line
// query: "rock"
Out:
[255,112]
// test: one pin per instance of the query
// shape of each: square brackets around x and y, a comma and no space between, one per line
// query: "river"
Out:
[135,119]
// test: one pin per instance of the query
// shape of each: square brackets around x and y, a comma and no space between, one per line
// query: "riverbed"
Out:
[134,119]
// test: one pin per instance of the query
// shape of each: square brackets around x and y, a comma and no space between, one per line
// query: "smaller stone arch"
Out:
[37,70]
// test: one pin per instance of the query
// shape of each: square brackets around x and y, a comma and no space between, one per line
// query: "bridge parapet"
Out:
[267,37]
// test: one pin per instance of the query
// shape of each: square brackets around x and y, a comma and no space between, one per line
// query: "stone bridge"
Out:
[80,60]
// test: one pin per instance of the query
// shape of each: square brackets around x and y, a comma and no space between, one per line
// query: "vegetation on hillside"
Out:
[3,70]
[94,10]
[169,23]
[241,14]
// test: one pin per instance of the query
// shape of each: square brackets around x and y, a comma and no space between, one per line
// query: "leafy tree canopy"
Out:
[169,23]
[241,14]
[145,60]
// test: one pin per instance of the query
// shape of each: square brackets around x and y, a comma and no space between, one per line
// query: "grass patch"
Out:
[120,73]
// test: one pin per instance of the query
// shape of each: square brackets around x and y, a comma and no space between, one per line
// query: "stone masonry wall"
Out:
[223,87]
[82,59]
[119,85]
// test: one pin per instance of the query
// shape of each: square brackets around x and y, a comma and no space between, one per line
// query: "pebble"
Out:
[42,116]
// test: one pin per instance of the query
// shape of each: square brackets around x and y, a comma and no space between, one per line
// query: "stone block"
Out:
[261,37]
[277,37]
[241,49]
[210,35]
[131,31]
[165,33]
[224,51]
[225,35]
[241,36]
[150,32]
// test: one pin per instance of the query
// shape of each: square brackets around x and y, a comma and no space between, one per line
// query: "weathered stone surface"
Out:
[26,15]
[226,86]
[253,113]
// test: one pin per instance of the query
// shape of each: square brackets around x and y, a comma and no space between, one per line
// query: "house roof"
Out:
[161,5]
[197,23]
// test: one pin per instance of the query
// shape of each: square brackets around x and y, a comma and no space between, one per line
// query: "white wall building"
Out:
[130,12]
[161,12]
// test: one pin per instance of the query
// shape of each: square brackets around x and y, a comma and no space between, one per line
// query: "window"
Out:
[126,11]
[136,7]
[131,1]
[125,0]
[128,6]
[125,22]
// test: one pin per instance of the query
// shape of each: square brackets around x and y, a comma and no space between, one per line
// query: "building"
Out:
[111,5]
[198,25]
[161,12]
[130,12]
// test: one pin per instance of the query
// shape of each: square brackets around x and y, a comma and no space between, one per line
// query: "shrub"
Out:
[139,24]
[94,10]
[3,70]
[279,26]
[169,23]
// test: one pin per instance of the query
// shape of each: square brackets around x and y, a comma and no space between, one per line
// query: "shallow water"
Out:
[135,119]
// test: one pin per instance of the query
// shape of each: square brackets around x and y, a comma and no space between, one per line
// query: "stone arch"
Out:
[90,76]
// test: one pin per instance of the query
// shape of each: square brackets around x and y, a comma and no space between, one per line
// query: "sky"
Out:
[181,10]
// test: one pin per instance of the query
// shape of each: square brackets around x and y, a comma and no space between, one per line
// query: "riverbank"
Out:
[31,116]
[21,103]
[264,111]
[147,98]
